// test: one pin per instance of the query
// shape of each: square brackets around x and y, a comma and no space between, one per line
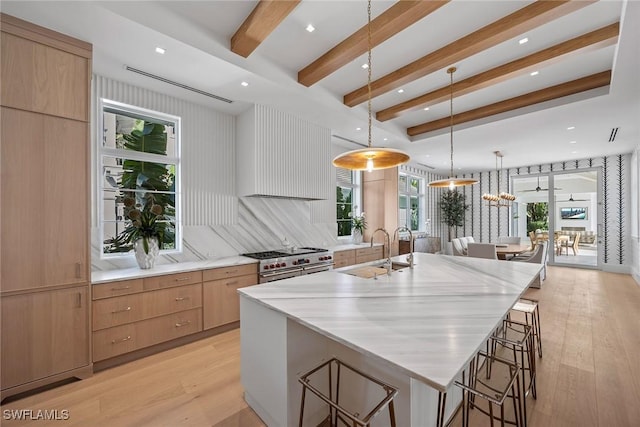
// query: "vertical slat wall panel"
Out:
[293,156]
[486,224]
[208,151]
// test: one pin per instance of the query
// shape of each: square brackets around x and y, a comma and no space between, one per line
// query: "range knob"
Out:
[284,264]
[278,265]
[295,262]
[266,267]
[272,266]
[329,257]
[307,260]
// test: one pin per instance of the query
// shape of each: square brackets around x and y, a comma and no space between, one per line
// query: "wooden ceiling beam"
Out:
[523,20]
[392,21]
[264,18]
[554,92]
[605,36]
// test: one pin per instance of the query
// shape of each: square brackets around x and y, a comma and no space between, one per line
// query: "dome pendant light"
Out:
[452,182]
[370,158]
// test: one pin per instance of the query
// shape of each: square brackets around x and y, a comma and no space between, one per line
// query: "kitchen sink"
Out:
[373,270]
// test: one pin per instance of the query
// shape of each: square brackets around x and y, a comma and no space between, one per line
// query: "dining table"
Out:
[504,249]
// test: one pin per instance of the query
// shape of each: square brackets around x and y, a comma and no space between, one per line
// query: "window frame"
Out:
[356,197]
[420,194]
[174,159]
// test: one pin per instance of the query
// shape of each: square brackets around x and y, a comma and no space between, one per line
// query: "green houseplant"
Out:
[358,225]
[453,208]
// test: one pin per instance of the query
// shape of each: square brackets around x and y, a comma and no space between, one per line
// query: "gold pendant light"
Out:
[370,158]
[452,182]
[502,199]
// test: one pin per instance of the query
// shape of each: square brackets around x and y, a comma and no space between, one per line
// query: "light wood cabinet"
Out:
[221,301]
[44,225]
[344,258]
[44,333]
[369,254]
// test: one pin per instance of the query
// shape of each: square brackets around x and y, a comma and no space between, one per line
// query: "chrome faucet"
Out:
[388,241]
[411,244]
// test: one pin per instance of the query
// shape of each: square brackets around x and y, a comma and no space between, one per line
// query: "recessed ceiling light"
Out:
[358,128]
[571,128]
[365,66]
[426,108]
[427,155]
[574,152]
[160,50]
[386,139]
[523,40]
[310,28]
[572,142]
[535,73]
[245,84]
[400,90]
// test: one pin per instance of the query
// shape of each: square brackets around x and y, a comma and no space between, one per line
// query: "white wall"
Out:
[635,214]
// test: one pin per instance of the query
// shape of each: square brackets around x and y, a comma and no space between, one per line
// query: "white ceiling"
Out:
[196,36]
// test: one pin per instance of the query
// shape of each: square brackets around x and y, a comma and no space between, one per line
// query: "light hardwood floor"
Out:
[589,375]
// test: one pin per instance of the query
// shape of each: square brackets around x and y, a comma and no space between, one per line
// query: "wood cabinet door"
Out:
[44,79]
[44,333]
[44,220]
[221,303]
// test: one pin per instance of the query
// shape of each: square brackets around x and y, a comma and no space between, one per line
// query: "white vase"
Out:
[356,236]
[145,259]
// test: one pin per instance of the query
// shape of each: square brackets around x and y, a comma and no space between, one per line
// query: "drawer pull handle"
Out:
[235,282]
[231,271]
[121,311]
[182,279]
[121,288]
[182,298]
[128,337]
[185,323]
[78,270]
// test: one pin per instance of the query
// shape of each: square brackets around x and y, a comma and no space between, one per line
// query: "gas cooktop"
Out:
[283,253]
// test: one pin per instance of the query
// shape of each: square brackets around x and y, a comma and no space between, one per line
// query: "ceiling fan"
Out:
[571,199]
[538,188]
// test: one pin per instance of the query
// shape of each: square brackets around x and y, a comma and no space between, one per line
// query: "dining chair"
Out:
[574,245]
[510,240]
[482,250]
[464,242]
[457,248]
[539,257]
[534,240]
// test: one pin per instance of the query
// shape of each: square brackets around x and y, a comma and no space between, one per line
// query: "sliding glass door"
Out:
[563,209]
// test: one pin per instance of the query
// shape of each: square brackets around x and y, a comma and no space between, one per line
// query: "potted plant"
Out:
[146,230]
[358,225]
[453,210]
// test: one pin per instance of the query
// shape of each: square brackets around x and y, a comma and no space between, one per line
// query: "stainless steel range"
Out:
[277,265]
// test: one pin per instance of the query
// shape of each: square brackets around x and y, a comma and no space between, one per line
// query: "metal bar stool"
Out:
[332,395]
[518,338]
[494,391]
[531,317]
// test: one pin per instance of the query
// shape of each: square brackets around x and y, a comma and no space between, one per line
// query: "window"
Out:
[347,199]
[411,201]
[139,166]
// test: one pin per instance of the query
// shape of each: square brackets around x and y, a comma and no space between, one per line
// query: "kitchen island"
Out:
[415,329]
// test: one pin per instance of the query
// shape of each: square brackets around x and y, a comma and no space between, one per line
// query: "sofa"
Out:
[586,237]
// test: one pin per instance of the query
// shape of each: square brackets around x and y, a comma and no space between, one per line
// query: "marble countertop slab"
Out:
[98,277]
[348,246]
[427,322]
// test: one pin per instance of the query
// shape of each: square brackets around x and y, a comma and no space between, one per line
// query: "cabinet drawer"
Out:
[113,289]
[123,339]
[344,256]
[131,308]
[369,251]
[159,282]
[236,270]
[221,301]
[344,263]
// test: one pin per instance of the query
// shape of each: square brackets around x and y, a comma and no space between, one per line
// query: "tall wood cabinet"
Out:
[44,221]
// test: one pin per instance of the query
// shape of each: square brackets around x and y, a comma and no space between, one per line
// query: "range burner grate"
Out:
[265,255]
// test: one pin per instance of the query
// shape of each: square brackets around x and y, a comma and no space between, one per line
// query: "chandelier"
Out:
[452,182]
[370,158]
[502,199]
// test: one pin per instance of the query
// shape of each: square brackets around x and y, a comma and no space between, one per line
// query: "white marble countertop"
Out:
[98,277]
[348,246]
[427,322]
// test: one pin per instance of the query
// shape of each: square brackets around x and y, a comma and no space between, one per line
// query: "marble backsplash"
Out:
[262,224]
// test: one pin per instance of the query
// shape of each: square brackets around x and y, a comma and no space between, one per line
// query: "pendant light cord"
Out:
[451,71]
[369,67]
